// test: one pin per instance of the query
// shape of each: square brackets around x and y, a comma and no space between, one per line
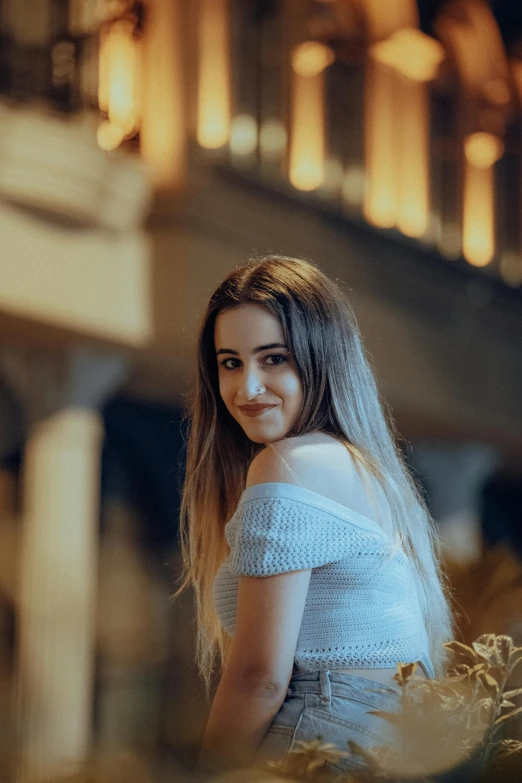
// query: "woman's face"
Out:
[251,373]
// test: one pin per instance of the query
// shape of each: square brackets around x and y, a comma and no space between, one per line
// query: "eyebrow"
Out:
[256,350]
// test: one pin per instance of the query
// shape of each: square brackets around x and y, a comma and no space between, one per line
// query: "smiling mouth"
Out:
[258,411]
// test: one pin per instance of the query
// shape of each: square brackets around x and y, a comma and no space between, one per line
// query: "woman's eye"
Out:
[224,364]
[277,356]
[270,356]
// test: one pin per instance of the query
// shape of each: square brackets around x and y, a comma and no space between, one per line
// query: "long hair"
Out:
[340,397]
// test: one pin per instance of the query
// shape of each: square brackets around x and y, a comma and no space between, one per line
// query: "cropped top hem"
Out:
[362,608]
[305,664]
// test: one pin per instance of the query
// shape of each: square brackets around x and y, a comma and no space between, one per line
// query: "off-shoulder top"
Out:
[362,609]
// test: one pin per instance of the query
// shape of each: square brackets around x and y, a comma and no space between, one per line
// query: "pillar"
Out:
[60,394]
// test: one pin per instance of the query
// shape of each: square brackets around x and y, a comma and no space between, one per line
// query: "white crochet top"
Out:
[361,610]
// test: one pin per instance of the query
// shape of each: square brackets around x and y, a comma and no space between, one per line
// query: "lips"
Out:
[251,410]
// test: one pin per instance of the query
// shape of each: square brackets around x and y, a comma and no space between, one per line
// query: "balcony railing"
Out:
[413,131]
[351,103]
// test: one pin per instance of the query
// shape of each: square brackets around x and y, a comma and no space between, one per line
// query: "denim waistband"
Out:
[339,684]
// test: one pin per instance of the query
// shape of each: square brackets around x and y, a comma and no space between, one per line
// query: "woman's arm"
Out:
[258,668]
[241,713]
[260,660]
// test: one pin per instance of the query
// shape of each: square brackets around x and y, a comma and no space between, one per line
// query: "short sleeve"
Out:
[270,536]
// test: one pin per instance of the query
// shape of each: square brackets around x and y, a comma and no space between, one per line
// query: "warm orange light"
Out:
[124,80]
[474,42]
[413,149]
[103,69]
[213,126]
[483,149]
[479,215]
[381,152]
[109,136]
[412,53]
[306,169]
[307,148]
[119,76]
[397,130]
[163,128]
[382,18]
[311,57]
[497,91]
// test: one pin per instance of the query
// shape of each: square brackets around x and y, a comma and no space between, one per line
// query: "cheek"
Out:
[293,388]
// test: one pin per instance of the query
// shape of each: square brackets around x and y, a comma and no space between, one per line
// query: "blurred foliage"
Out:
[447,727]
[487,593]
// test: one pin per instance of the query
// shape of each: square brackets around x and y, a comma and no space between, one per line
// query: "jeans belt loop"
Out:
[326,690]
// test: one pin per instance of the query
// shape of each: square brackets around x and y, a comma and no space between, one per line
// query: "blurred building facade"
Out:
[146,149]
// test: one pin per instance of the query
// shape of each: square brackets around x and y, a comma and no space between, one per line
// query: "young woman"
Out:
[312,555]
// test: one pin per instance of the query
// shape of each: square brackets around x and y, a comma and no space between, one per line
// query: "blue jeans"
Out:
[335,706]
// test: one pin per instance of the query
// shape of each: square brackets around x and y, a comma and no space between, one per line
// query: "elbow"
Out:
[262,684]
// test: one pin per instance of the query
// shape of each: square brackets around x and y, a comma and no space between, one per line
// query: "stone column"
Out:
[60,394]
[58,580]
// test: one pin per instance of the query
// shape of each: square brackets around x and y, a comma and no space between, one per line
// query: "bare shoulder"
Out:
[310,461]
[322,464]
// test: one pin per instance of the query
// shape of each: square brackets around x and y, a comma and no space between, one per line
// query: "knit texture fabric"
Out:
[361,610]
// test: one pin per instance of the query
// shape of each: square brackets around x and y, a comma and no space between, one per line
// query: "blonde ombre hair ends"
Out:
[340,398]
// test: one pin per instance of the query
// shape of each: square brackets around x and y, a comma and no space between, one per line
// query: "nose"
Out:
[251,382]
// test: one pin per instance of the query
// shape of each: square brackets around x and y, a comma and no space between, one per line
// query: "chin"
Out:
[262,437]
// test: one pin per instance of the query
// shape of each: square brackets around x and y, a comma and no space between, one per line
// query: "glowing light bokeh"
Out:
[397,130]
[243,135]
[214,112]
[413,144]
[311,57]
[124,76]
[482,150]
[381,194]
[119,86]
[412,53]
[163,129]
[109,136]
[382,19]
[307,143]
[306,170]
[478,242]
